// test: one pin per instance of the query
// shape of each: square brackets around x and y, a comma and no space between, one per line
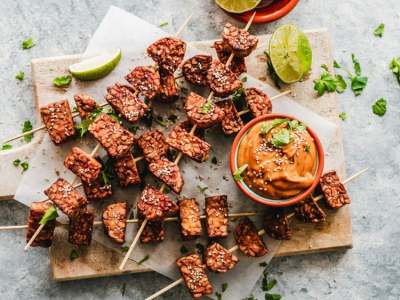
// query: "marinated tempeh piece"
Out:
[154,205]
[45,237]
[276,225]
[232,122]
[114,220]
[201,112]
[85,105]
[194,274]
[217,216]
[248,240]
[126,170]
[334,191]
[195,69]
[309,211]
[66,197]
[169,91]
[81,228]
[222,80]
[83,165]
[239,41]
[57,118]
[168,172]
[146,80]
[153,232]
[123,100]
[153,145]
[168,53]
[218,259]
[189,216]
[237,65]
[97,190]
[189,144]
[111,135]
[258,102]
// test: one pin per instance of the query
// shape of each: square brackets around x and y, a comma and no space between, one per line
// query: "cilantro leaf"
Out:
[16,162]
[27,127]
[183,249]
[378,32]
[356,64]
[206,107]
[251,297]
[326,83]
[27,44]
[379,107]
[160,120]
[214,160]
[20,75]
[202,188]
[143,259]
[83,126]
[124,249]
[162,24]
[50,214]
[224,286]
[281,138]
[341,85]
[395,67]
[6,147]
[269,296]
[237,175]
[336,64]
[62,81]
[173,118]
[307,148]
[25,166]
[267,285]
[343,116]
[358,83]
[73,255]
[269,125]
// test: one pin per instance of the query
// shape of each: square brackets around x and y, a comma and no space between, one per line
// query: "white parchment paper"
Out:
[120,29]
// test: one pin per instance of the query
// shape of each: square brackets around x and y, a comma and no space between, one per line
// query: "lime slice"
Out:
[96,67]
[237,6]
[290,53]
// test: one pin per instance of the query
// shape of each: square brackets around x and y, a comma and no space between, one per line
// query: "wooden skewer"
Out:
[236,247]
[143,225]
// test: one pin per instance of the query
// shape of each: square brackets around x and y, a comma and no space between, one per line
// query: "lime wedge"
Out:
[96,67]
[290,53]
[237,6]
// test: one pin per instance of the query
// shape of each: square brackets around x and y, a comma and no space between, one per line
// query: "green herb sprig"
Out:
[20,75]
[395,67]
[237,175]
[25,128]
[379,107]
[378,32]
[62,81]
[28,43]
[50,214]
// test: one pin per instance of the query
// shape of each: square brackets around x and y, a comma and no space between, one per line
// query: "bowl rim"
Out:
[260,199]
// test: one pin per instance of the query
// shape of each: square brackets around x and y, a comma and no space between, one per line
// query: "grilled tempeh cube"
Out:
[111,135]
[57,118]
[66,197]
[146,80]
[189,144]
[201,112]
[248,240]
[232,122]
[85,105]
[153,145]
[81,228]
[217,216]
[218,259]
[45,237]
[222,80]
[97,190]
[123,100]
[189,217]
[126,170]
[195,69]
[194,274]
[114,220]
[309,211]
[258,102]
[153,232]
[168,172]
[237,66]
[169,91]
[154,205]
[168,53]
[239,41]
[276,225]
[334,191]
[83,165]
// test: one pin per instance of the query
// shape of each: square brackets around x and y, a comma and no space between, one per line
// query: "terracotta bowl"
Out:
[269,13]
[262,199]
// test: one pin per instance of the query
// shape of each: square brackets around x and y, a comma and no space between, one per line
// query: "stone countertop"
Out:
[370,270]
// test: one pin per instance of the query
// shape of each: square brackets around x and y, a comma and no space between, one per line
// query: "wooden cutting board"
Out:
[99,261]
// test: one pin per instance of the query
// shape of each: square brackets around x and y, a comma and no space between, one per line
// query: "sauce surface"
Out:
[278,171]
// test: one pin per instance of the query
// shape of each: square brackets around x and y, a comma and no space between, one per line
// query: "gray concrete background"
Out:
[371,270]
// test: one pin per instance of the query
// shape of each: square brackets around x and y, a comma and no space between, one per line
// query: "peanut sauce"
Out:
[278,172]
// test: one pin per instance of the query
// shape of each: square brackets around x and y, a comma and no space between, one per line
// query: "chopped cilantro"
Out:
[378,32]
[27,127]
[343,116]
[50,214]
[173,118]
[73,255]
[133,128]
[244,79]
[202,188]
[341,84]
[62,81]
[200,248]
[395,67]
[336,64]
[237,175]
[267,285]
[219,295]
[162,24]
[263,264]
[269,296]
[27,44]
[326,83]
[379,107]
[20,75]
[269,125]
[251,297]
[143,259]
[124,249]
[224,286]
[160,120]
[206,107]
[214,160]
[83,126]
[358,82]
[281,138]
[16,162]
[183,249]
[356,64]
[6,147]
[25,166]
[307,148]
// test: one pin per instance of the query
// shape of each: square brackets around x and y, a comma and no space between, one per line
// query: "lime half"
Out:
[290,53]
[237,6]
[96,67]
